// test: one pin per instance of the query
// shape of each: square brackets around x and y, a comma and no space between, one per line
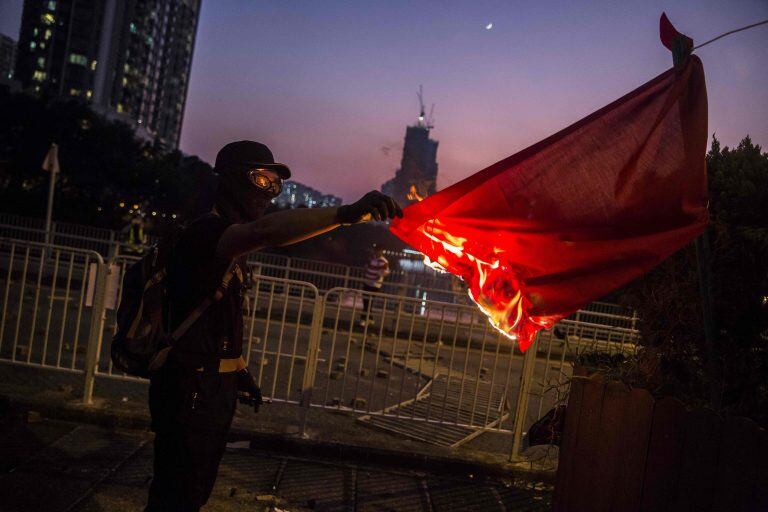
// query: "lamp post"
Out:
[50,164]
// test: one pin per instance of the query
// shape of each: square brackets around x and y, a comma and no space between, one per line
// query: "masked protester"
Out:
[193,396]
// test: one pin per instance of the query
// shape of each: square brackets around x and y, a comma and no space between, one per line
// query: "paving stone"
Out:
[65,470]
[19,442]
[450,495]
[317,486]
[114,497]
[87,449]
[24,490]
[249,473]
[516,498]
[137,471]
[385,492]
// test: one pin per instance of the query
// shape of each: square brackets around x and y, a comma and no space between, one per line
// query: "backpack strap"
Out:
[200,309]
[159,358]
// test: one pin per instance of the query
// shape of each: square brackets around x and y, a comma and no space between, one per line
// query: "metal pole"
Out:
[49,210]
[308,380]
[98,317]
[704,271]
[521,409]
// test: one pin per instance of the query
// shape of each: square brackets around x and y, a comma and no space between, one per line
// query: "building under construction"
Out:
[417,176]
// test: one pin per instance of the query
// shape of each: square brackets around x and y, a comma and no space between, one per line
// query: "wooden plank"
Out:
[758,497]
[662,465]
[637,415]
[608,456]
[698,468]
[581,482]
[566,460]
[737,464]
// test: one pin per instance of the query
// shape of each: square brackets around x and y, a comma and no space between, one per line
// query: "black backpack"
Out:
[141,342]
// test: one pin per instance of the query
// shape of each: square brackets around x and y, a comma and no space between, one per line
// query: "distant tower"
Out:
[417,176]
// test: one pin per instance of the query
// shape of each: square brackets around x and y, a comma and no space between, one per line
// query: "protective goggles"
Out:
[263,182]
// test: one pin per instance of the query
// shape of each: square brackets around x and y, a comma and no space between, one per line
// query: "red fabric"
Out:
[562,223]
[667,31]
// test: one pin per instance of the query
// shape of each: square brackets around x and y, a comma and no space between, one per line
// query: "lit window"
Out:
[48,34]
[35,32]
[52,5]
[41,62]
[88,94]
[80,60]
[133,28]
[48,18]
[42,45]
[74,92]
[119,107]
[32,45]
[125,81]
[39,76]
[93,65]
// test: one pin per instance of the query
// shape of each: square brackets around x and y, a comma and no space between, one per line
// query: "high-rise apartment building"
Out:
[7,57]
[129,59]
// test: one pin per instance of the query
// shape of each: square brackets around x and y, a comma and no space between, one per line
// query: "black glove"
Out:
[375,204]
[247,391]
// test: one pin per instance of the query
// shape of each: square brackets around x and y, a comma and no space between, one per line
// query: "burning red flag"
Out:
[562,223]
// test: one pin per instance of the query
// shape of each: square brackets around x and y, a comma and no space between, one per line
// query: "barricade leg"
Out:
[308,380]
[95,334]
[521,409]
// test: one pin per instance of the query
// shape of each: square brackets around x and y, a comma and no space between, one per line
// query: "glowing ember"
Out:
[413,194]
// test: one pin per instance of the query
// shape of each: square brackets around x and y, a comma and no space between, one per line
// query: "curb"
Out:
[284,443]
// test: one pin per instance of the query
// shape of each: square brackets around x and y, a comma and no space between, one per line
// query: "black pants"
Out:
[191,415]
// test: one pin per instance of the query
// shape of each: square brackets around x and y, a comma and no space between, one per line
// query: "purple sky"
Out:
[329,85]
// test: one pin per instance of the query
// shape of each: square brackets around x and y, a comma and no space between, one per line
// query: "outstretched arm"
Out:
[292,226]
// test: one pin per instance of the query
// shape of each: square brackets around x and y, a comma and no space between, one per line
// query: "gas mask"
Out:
[244,193]
[247,181]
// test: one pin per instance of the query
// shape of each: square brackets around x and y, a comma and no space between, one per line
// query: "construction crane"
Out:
[426,122]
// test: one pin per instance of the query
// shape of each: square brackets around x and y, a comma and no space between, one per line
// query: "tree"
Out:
[103,164]
[669,302]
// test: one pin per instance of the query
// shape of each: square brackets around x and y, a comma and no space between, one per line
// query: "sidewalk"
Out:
[56,465]
[337,435]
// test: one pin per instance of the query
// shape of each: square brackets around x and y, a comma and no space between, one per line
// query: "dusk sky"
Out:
[330,86]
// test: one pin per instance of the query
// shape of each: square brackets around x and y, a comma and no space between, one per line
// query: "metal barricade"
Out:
[51,309]
[549,363]
[428,369]
[280,332]
[278,323]
[416,367]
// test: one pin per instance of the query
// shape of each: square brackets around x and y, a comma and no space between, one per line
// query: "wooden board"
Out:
[698,466]
[637,416]
[663,460]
